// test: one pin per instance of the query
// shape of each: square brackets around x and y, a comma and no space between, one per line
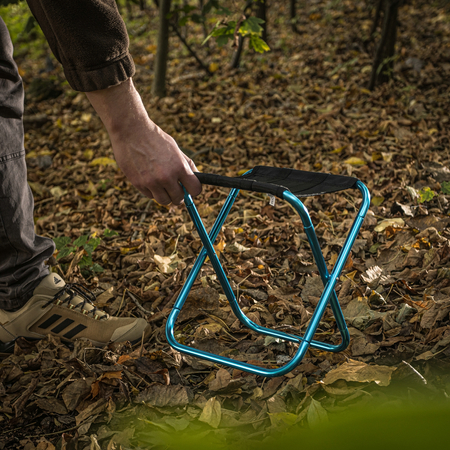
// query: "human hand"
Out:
[149,157]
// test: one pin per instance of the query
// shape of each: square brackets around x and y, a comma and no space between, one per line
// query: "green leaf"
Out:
[61,242]
[225,30]
[97,268]
[66,251]
[251,26]
[222,40]
[86,261]
[426,194]
[91,245]
[81,240]
[258,44]
[94,242]
[110,233]
[445,187]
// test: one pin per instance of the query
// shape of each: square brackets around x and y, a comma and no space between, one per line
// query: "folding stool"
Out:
[287,184]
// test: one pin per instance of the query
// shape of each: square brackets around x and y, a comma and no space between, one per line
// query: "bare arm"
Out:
[148,156]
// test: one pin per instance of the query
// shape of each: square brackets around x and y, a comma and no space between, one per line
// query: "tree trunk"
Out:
[293,14]
[376,19]
[260,8]
[162,52]
[236,58]
[383,62]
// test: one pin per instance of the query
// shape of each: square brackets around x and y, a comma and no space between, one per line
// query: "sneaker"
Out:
[66,311]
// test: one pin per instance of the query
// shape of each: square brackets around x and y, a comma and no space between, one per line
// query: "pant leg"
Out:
[22,253]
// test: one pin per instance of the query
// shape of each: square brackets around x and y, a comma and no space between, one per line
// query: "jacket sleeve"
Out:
[89,38]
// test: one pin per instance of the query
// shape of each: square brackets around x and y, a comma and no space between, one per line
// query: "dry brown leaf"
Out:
[360,372]
[162,396]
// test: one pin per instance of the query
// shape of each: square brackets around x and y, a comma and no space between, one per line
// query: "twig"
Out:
[51,434]
[238,285]
[189,48]
[424,381]
[18,428]
[136,302]
[40,202]
[225,331]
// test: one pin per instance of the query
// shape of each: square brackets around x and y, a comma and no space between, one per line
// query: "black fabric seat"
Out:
[275,181]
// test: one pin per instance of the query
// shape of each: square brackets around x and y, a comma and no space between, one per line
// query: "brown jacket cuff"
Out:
[96,78]
[89,38]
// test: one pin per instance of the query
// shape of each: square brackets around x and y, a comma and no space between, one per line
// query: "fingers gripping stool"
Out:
[287,184]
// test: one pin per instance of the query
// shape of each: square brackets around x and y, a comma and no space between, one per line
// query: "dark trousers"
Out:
[22,253]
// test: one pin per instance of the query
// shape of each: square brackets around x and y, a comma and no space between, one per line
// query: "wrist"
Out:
[119,107]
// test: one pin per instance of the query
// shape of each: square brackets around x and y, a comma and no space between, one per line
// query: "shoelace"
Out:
[73,290]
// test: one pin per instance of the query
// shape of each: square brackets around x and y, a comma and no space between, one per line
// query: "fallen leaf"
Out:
[389,223]
[316,415]
[360,372]
[212,413]
[165,396]
[103,161]
[354,161]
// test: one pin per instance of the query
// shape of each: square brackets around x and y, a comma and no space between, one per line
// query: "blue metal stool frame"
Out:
[328,295]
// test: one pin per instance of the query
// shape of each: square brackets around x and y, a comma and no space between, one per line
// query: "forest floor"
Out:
[303,105]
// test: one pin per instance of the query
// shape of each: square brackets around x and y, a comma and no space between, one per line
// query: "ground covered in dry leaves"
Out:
[303,105]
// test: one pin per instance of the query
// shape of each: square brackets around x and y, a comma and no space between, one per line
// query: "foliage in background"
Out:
[26,35]
[228,30]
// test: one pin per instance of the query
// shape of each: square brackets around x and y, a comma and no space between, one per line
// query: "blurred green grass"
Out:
[377,425]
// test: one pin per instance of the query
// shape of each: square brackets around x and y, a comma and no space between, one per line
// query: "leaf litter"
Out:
[305,108]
